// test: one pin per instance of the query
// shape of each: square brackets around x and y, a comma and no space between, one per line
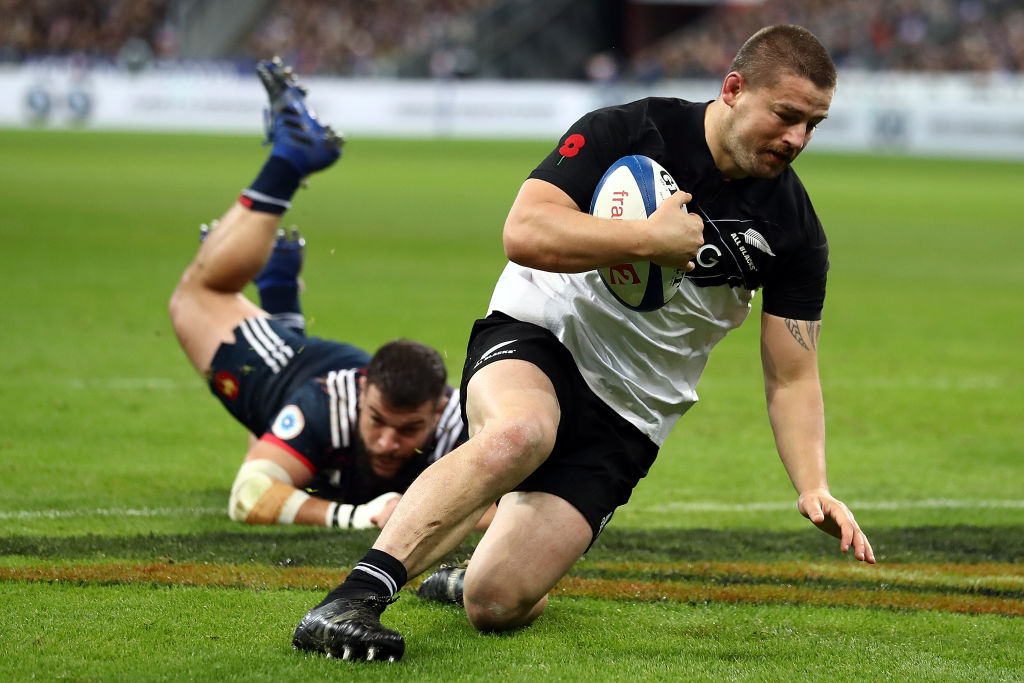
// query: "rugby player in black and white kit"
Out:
[569,395]
[337,435]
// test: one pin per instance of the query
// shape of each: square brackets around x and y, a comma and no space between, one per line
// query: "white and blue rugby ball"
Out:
[632,189]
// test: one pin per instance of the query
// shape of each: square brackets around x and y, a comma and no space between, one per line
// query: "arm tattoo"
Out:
[808,337]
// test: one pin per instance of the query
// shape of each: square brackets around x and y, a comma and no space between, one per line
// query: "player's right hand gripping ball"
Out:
[631,189]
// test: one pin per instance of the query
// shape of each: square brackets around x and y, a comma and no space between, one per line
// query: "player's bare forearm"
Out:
[796,410]
[793,394]
[797,420]
[547,231]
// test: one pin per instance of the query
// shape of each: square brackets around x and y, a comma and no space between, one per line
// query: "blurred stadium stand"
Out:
[206,29]
[923,77]
[644,40]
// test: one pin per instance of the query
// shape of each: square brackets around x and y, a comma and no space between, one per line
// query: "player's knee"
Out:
[492,609]
[178,305]
[174,307]
[517,442]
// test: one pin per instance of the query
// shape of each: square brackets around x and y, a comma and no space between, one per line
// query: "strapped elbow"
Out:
[263,494]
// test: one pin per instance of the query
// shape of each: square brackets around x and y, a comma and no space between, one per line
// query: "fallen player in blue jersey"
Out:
[338,435]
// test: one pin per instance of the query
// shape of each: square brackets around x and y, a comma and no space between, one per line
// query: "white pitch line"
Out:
[113,512]
[678,506]
[984,382]
[127,383]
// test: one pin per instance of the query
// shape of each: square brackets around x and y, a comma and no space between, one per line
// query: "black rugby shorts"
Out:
[598,457]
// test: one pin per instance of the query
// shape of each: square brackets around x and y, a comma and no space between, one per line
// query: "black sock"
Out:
[377,572]
[272,190]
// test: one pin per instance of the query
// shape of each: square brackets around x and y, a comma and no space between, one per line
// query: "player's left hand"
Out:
[833,517]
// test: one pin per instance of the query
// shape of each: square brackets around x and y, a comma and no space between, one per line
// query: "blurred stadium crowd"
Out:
[32,29]
[363,38]
[880,35]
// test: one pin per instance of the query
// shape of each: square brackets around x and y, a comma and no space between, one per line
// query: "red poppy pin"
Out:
[571,147]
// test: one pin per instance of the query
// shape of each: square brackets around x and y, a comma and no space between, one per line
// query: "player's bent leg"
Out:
[533,541]
[236,251]
[513,415]
[279,284]
[207,303]
[513,423]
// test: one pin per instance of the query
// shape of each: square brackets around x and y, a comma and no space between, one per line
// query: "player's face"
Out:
[769,126]
[392,436]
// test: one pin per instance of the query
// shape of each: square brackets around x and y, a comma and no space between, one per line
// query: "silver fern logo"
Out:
[757,240]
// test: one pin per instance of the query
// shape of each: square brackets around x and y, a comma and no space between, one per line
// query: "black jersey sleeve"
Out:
[801,294]
[589,147]
[796,286]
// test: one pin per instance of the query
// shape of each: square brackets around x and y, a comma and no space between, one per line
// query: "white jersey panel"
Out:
[644,365]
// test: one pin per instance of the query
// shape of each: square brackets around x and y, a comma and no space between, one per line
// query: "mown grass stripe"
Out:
[686,591]
[1006,570]
[183,574]
[697,593]
[986,577]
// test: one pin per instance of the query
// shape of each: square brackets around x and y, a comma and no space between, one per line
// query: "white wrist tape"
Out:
[339,515]
[291,506]
[344,516]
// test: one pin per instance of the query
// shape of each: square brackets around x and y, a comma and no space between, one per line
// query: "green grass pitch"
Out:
[117,560]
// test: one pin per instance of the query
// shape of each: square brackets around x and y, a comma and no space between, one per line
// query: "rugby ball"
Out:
[631,189]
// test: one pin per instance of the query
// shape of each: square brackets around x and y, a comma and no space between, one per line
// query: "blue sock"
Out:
[272,190]
[278,282]
[282,303]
